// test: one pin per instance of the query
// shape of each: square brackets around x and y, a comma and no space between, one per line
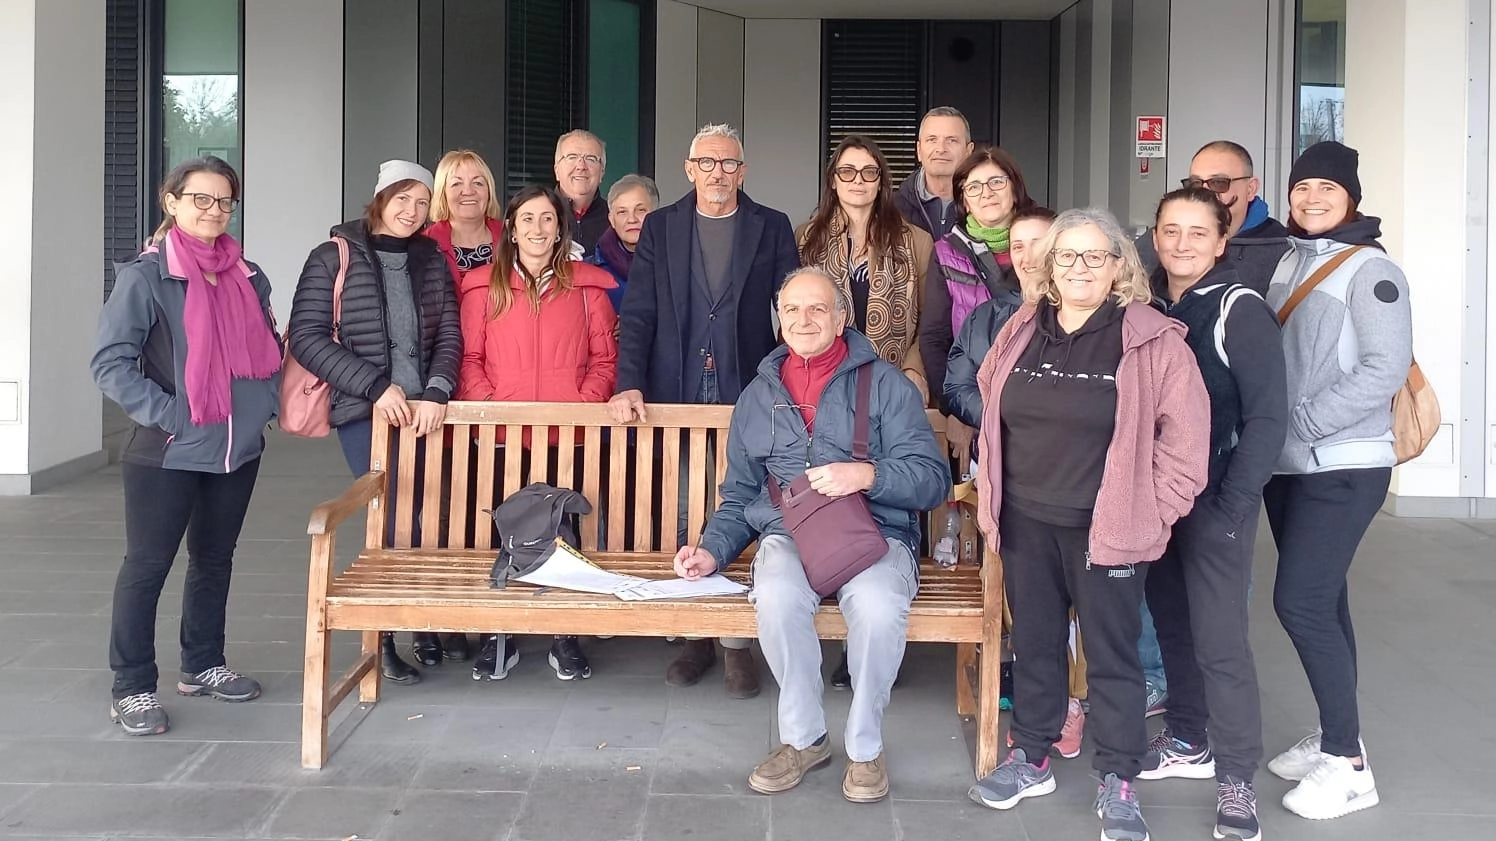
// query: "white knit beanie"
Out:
[393,172]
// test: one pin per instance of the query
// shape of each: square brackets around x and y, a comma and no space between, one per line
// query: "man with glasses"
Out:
[926,198]
[696,320]
[581,159]
[1258,241]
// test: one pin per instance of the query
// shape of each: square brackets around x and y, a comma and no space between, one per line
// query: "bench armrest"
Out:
[326,517]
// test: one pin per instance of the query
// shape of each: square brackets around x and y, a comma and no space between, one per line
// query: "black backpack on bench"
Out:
[529,522]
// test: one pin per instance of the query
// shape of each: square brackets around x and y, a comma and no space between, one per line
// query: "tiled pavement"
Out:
[621,756]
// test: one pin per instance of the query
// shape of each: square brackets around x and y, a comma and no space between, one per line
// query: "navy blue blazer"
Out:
[654,318]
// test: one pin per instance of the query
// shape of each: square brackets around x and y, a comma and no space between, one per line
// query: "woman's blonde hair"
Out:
[440,212]
[1131,284]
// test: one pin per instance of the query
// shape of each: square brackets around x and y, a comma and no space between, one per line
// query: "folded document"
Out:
[567,569]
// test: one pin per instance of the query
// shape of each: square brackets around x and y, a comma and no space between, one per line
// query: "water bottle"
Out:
[949,529]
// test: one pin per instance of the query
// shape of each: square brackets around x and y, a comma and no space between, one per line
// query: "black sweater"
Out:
[357,366]
[1248,393]
[1059,413]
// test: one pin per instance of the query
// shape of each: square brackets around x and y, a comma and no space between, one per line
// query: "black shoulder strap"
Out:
[861,422]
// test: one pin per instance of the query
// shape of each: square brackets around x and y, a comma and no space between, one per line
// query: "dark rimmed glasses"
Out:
[203,201]
[1092,259]
[729,165]
[996,184]
[848,174]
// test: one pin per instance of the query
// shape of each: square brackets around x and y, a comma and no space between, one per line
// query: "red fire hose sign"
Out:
[1150,137]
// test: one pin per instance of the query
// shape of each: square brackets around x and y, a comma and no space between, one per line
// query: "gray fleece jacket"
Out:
[1348,347]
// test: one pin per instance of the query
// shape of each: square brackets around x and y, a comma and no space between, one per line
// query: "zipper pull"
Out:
[1088,560]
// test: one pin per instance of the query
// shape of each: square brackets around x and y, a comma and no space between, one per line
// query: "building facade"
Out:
[307,96]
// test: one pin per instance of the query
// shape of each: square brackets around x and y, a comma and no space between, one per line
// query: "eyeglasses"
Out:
[203,201]
[573,158]
[1092,259]
[848,174]
[996,184]
[729,165]
[1218,184]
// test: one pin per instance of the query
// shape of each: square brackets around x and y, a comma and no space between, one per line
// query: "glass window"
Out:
[1320,68]
[200,84]
[613,46]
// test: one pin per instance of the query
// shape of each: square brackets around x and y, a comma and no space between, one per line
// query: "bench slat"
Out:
[592,445]
[487,452]
[458,505]
[670,492]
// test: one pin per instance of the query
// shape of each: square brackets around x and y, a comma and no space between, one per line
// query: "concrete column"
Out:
[51,419]
[1420,118]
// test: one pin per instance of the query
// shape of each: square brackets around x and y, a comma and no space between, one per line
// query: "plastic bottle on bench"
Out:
[946,550]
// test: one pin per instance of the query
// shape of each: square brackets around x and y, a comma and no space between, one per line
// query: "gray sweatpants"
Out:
[876,607]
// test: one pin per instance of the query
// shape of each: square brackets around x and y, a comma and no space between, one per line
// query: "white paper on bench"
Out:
[567,569]
[680,588]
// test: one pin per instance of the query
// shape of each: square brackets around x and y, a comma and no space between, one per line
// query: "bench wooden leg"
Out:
[368,687]
[314,689]
[966,674]
[989,685]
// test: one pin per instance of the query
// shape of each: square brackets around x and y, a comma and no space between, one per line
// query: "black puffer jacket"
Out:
[358,364]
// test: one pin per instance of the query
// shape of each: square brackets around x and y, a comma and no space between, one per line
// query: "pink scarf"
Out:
[227,337]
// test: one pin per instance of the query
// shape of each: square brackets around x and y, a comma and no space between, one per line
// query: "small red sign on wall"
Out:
[1151,137]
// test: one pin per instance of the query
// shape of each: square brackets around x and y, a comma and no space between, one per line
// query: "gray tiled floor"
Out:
[621,756]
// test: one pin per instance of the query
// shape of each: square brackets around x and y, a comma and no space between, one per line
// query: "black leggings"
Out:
[1318,520]
[161,506]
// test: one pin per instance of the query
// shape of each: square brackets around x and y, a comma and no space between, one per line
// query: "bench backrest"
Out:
[636,476]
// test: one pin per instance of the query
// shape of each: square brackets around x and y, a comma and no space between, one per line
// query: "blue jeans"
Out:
[1149,653]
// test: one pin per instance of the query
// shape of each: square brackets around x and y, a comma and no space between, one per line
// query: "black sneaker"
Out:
[139,714]
[488,666]
[1117,806]
[221,682]
[455,647]
[568,660]
[426,647]
[1236,811]
[1015,779]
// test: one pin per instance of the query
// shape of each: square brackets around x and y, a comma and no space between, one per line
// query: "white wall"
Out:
[1405,109]
[675,95]
[782,115]
[293,135]
[1217,84]
[52,58]
[18,103]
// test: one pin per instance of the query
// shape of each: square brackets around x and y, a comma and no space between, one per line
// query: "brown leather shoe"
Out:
[695,658]
[866,782]
[739,673]
[786,767]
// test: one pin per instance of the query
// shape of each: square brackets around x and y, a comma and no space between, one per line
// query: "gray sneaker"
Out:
[1012,781]
[221,682]
[1117,806]
[139,714]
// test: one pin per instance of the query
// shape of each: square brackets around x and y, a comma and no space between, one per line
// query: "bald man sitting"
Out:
[809,385]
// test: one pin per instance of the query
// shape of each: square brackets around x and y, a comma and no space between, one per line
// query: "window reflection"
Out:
[1320,68]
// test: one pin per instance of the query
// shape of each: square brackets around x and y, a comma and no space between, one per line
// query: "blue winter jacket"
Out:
[768,437]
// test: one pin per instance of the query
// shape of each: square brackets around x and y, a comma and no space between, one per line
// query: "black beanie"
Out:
[1331,161]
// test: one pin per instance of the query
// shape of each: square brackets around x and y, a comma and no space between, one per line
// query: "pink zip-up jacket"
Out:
[1157,461]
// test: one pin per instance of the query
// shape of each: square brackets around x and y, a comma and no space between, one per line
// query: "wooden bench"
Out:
[632,476]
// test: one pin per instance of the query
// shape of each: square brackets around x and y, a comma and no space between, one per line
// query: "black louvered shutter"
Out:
[875,80]
[123,106]
[545,46]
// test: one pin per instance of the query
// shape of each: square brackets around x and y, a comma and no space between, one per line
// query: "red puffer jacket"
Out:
[565,353]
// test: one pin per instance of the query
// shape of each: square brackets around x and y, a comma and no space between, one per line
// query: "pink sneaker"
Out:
[1071,733]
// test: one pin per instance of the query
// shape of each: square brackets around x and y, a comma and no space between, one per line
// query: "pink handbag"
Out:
[306,400]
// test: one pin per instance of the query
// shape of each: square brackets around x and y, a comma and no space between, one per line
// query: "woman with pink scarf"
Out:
[187,347]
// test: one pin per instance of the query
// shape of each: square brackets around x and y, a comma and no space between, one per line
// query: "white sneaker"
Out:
[1333,789]
[1295,763]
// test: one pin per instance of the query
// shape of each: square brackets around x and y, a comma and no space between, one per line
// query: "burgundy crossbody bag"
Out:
[837,537]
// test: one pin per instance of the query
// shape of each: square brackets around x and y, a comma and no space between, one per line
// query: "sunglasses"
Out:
[848,174]
[1218,184]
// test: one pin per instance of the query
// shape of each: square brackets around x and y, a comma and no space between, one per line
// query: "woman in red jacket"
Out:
[542,330]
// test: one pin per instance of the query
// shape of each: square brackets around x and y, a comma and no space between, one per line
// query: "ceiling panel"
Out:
[896,9]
